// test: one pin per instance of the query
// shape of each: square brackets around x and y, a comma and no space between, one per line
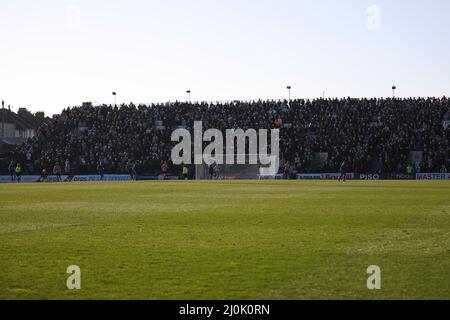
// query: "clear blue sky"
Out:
[59,53]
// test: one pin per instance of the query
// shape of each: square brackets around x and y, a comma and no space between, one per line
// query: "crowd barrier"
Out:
[376,176]
[299,176]
[75,178]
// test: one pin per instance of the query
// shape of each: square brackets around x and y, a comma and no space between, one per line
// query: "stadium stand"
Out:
[374,135]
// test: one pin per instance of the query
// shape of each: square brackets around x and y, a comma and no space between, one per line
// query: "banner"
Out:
[271,177]
[155,178]
[7,179]
[402,176]
[309,176]
[335,176]
[369,176]
[356,176]
[106,177]
[65,178]
[433,176]
[323,176]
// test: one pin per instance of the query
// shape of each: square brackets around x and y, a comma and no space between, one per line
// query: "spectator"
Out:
[57,172]
[376,134]
[12,170]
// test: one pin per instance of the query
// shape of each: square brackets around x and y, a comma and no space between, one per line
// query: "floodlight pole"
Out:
[115,98]
[393,91]
[189,95]
[289,93]
[3,119]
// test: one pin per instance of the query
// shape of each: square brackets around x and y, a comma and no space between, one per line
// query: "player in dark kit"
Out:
[57,172]
[164,169]
[212,171]
[44,176]
[130,169]
[12,170]
[134,170]
[343,172]
[101,170]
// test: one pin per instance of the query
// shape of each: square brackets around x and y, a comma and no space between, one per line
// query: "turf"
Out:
[225,240]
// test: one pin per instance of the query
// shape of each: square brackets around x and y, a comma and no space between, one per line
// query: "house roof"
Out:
[23,120]
[13,141]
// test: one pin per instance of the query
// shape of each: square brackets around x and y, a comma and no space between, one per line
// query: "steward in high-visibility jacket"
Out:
[18,172]
[185,172]
[409,169]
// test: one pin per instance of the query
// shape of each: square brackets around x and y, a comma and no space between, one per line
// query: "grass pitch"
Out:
[225,240]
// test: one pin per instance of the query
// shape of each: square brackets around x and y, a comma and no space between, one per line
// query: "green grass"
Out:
[225,240]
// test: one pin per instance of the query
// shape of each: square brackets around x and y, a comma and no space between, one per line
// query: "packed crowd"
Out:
[371,135]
